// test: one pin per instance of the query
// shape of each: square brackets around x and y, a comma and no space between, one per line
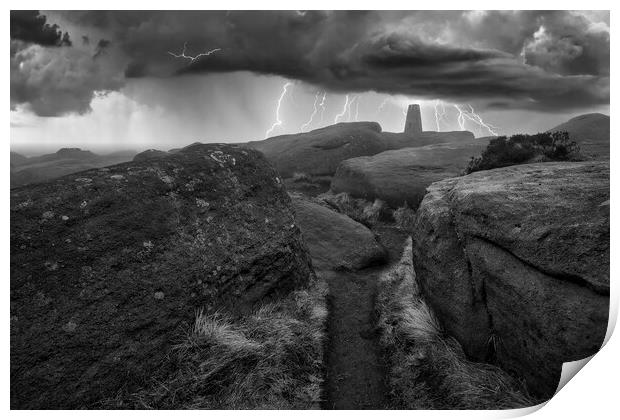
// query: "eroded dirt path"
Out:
[355,371]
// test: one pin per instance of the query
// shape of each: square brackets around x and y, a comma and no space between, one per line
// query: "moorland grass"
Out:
[426,368]
[270,359]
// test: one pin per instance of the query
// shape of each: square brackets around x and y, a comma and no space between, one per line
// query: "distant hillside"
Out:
[17,159]
[591,131]
[65,161]
[150,154]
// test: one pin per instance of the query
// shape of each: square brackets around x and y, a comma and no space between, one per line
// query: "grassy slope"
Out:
[586,127]
[270,359]
[427,369]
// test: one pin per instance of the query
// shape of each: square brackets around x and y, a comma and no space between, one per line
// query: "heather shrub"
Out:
[523,148]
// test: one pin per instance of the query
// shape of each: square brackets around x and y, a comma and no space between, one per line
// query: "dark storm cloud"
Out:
[570,46]
[54,81]
[350,52]
[401,53]
[400,65]
[101,47]
[32,27]
[549,60]
[568,43]
[135,70]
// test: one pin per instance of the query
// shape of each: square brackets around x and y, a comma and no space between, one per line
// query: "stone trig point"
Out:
[413,123]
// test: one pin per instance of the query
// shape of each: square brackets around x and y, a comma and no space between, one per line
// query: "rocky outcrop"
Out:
[319,152]
[515,263]
[109,266]
[335,241]
[399,176]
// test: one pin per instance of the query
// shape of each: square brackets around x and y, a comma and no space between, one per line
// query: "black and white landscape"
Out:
[306,209]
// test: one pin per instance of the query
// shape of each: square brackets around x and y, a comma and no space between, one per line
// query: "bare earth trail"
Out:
[355,370]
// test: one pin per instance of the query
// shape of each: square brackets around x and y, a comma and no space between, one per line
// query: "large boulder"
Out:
[399,176]
[401,140]
[515,263]
[319,152]
[334,240]
[109,266]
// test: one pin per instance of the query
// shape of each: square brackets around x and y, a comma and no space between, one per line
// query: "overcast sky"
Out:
[122,80]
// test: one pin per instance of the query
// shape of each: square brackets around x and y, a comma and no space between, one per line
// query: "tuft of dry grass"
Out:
[270,359]
[302,177]
[363,211]
[428,369]
[404,217]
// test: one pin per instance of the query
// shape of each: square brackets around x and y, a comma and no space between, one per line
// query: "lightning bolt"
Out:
[278,121]
[349,108]
[460,119]
[193,58]
[472,116]
[478,118]
[439,115]
[307,124]
[344,110]
[322,106]
[357,110]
